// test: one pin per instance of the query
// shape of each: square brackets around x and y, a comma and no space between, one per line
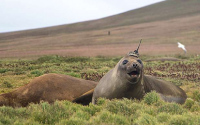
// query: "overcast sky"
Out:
[28,14]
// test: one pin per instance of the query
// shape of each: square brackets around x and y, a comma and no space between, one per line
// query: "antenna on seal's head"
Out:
[135,53]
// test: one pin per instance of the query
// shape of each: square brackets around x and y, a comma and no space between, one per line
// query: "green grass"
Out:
[149,111]
[118,112]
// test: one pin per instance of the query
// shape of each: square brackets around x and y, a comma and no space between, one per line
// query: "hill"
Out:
[161,25]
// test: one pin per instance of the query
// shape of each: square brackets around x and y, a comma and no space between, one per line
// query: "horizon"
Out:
[17,15]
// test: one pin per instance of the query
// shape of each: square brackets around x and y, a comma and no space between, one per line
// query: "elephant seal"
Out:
[127,80]
[49,87]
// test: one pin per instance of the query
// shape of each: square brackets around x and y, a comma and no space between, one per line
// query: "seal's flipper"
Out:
[168,91]
[85,99]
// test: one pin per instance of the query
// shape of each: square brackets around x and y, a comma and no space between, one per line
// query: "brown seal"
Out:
[49,87]
[127,80]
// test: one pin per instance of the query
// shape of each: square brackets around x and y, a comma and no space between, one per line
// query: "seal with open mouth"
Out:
[127,80]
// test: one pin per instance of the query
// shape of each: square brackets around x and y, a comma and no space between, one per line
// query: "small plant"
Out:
[37,73]
[7,84]
[74,121]
[189,103]
[76,59]
[73,74]
[195,107]
[103,59]
[196,96]
[105,117]
[48,59]
[151,98]
[3,70]
[5,120]
[181,56]
[92,109]
[101,101]
[183,120]
[19,71]
[163,117]
[116,106]
[172,108]
[146,119]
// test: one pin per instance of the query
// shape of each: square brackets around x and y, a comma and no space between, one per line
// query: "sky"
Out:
[30,14]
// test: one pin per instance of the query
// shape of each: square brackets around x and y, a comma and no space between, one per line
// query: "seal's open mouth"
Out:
[134,73]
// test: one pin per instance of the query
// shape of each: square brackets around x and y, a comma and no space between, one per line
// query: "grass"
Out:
[119,112]
[151,110]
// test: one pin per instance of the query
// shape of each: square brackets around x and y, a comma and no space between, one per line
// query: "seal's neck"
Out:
[135,91]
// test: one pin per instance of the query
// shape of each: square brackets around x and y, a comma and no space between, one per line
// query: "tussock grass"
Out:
[196,95]
[151,98]
[118,112]
[172,108]
[149,111]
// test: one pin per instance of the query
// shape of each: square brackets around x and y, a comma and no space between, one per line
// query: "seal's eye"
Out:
[139,61]
[124,62]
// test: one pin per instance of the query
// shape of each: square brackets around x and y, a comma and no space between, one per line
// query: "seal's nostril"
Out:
[134,65]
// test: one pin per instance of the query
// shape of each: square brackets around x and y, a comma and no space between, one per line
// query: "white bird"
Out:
[182,47]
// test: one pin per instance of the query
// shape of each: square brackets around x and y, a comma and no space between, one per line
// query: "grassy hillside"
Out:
[149,111]
[161,11]
[160,26]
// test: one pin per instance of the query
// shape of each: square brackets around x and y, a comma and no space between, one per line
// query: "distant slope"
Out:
[161,11]
[160,26]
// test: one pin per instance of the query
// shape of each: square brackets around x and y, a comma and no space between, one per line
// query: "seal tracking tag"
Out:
[135,53]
